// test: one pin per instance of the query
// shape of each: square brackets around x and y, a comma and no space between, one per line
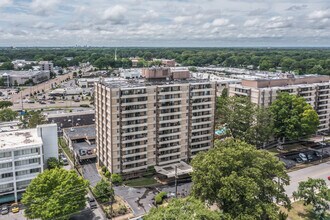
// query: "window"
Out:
[5,165]
[6,175]
[5,154]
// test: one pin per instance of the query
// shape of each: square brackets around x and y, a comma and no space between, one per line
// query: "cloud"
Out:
[220,22]
[44,25]
[252,23]
[5,3]
[279,22]
[296,7]
[320,14]
[44,7]
[116,14]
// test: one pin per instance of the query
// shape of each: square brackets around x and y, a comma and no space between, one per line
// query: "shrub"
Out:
[104,169]
[116,179]
[107,174]
[160,197]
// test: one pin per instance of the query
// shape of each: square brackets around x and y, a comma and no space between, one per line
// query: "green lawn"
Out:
[143,181]
[300,212]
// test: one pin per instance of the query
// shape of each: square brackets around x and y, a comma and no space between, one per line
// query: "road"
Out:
[318,171]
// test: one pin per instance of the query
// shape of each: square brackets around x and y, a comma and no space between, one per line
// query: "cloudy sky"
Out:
[214,23]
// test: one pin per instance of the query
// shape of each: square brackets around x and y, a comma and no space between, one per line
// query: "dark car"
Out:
[4,210]
[92,203]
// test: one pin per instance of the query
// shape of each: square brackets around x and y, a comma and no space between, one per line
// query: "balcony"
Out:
[169,161]
[134,140]
[200,149]
[169,135]
[201,110]
[134,103]
[135,169]
[169,141]
[6,170]
[134,154]
[134,118]
[27,176]
[200,142]
[135,125]
[135,161]
[6,180]
[27,166]
[169,155]
[133,110]
[201,122]
[170,106]
[202,116]
[169,148]
[170,100]
[6,190]
[134,95]
[201,103]
[124,134]
[170,113]
[27,156]
[169,128]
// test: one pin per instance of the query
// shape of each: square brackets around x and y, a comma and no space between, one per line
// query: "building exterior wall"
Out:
[153,125]
[22,163]
[316,94]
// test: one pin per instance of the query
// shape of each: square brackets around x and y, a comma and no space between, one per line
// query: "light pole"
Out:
[176,181]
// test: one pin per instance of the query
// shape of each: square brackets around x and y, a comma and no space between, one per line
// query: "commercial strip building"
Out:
[23,155]
[11,77]
[152,122]
[315,89]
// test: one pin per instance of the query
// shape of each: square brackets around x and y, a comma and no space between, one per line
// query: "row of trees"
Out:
[302,61]
[289,117]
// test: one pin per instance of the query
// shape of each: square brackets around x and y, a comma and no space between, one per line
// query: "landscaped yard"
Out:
[143,181]
[65,147]
[300,212]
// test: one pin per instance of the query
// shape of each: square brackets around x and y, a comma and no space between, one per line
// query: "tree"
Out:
[103,191]
[241,180]
[7,66]
[5,104]
[293,117]
[316,193]
[116,179]
[55,194]
[33,118]
[7,114]
[53,163]
[183,209]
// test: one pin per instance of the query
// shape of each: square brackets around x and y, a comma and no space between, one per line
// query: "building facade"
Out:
[141,123]
[23,155]
[46,66]
[315,89]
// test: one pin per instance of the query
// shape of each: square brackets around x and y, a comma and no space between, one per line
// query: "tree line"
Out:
[301,61]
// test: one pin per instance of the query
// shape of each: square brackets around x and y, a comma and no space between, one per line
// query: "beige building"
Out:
[315,89]
[143,123]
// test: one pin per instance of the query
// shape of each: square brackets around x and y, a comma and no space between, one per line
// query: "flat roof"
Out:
[132,83]
[88,131]
[19,138]
[23,73]
[169,170]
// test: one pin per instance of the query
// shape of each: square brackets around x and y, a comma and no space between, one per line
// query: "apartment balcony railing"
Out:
[135,161]
[169,155]
[27,176]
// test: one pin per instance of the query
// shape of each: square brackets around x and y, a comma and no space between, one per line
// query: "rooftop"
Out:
[27,73]
[19,138]
[133,83]
[88,131]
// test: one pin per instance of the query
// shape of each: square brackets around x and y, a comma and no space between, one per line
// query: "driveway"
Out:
[89,171]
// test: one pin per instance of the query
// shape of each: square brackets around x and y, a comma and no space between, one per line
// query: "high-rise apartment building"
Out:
[141,123]
[46,66]
[315,89]
[23,155]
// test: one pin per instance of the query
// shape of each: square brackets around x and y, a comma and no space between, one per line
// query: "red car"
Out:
[329,178]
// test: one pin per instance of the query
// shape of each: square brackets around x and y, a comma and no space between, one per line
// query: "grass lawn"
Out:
[300,212]
[143,181]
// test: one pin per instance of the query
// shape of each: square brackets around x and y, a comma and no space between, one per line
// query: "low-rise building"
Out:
[13,78]
[87,82]
[23,155]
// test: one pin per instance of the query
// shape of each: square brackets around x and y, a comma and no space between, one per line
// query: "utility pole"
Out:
[176,181]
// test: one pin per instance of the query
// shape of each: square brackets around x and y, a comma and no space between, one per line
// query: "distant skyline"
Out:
[165,23]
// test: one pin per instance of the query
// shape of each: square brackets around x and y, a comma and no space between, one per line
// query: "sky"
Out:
[165,23]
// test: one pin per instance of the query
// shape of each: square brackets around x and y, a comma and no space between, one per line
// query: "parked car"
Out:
[310,157]
[92,203]
[303,157]
[52,102]
[14,208]
[64,160]
[4,209]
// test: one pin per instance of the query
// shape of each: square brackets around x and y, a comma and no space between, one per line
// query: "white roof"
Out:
[19,138]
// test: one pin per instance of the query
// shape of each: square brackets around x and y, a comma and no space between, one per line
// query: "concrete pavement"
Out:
[321,171]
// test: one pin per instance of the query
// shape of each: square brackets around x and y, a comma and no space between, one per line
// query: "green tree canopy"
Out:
[53,162]
[33,118]
[5,104]
[245,120]
[116,179]
[55,193]
[7,114]
[316,193]
[293,117]
[241,180]
[183,209]
[103,191]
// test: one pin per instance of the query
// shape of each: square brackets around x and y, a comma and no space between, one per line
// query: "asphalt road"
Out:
[89,171]
[318,171]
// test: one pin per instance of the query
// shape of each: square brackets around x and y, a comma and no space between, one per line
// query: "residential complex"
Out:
[46,66]
[152,122]
[23,155]
[315,89]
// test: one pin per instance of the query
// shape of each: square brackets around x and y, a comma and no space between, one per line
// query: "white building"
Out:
[46,66]
[23,155]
